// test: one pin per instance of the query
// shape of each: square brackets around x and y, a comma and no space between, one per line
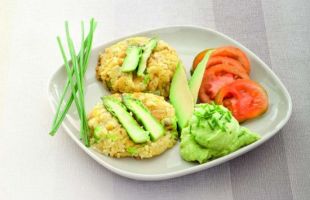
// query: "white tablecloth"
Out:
[34,165]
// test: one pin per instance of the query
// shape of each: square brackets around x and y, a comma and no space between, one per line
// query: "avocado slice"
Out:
[181,96]
[147,50]
[196,79]
[143,115]
[133,54]
[116,108]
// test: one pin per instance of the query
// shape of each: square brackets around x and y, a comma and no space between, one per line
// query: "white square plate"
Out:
[188,41]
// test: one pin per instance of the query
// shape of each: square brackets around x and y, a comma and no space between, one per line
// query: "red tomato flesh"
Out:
[246,99]
[234,53]
[216,60]
[216,77]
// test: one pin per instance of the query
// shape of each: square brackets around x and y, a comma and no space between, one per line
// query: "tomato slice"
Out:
[199,58]
[235,53]
[224,55]
[216,60]
[210,87]
[246,99]
[218,76]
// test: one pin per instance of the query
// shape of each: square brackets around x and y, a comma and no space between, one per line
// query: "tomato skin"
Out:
[224,55]
[246,99]
[235,53]
[199,58]
[216,60]
[216,77]
[224,68]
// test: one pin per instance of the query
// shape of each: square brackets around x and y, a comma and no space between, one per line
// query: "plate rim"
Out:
[192,169]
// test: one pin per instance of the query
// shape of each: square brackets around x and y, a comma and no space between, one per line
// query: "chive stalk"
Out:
[78,77]
[62,98]
[59,117]
[75,80]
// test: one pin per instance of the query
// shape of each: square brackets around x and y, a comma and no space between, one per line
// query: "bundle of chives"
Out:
[75,81]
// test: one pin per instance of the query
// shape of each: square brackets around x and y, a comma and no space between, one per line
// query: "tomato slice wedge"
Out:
[216,60]
[235,53]
[224,55]
[199,58]
[218,76]
[246,99]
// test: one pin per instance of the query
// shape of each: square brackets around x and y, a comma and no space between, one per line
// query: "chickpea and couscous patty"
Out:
[160,68]
[114,140]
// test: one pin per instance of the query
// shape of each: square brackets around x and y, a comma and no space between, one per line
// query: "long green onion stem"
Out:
[75,81]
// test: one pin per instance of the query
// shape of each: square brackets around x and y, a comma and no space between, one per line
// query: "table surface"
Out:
[36,166]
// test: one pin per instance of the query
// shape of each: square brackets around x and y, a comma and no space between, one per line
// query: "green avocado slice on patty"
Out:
[147,51]
[133,54]
[143,115]
[116,108]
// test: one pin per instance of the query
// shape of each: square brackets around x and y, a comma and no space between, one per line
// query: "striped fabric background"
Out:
[37,167]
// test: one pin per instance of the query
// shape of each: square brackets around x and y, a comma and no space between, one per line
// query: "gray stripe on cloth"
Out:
[288,30]
[263,172]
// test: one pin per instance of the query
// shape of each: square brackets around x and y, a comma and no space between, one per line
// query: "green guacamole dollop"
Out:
[213,132]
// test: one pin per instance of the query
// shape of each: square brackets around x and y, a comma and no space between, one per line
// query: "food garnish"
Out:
[225,66]
[220,56]
[143,115]
[213,132]
[197,77]
[218,76]
[147,50]
[137,56]
[217,60]
[133,54]
[118,109]
[245,98]
[198,59]
[210,131]
[234,53]
[75,72]
[181,97]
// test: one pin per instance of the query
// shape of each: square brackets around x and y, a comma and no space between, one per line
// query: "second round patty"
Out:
[115,141]
[161,66]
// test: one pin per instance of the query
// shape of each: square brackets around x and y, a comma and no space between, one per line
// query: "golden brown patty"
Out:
[161,66]
[114,140]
